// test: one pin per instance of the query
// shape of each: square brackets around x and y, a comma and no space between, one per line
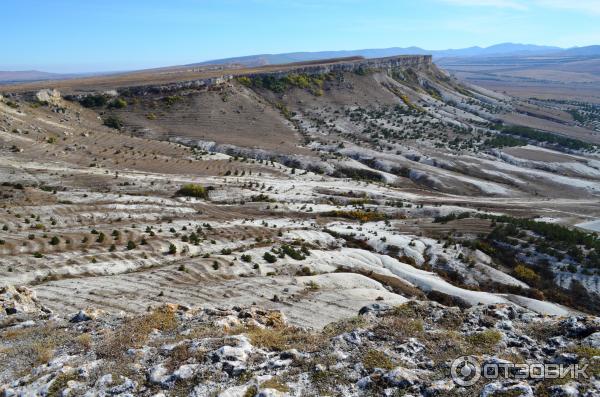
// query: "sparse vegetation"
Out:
[193,190]
[113,122]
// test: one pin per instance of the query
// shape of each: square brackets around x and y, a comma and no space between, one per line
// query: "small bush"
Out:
[91,101]
[245,81]
[526,274]
[270,258]
[85,341]
[312,286]
[118,103]
[292,253]
[101,238]
[172,99]
[113,122]
[193,190]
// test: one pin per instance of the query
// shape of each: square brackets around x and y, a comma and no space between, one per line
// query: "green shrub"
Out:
[526,274]
[113,122]
[118,103]
[292,253]
[91,101]
[193,190]
[245,81]
[172,99]
[269,257]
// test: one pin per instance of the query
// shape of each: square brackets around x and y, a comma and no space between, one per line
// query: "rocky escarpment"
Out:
[175,350]
[403,61]
[389,63]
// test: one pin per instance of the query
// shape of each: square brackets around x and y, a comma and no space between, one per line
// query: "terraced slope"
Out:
[321,186]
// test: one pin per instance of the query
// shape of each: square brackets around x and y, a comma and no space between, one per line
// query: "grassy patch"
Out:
[134,332]
[275,383]
[484,341]
[285,338]
[343,326]
[376,359]
[60,383]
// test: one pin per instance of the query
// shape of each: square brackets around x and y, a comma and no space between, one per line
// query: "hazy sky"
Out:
[99,35]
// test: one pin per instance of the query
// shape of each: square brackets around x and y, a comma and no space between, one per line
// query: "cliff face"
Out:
[388,63]
[404,61]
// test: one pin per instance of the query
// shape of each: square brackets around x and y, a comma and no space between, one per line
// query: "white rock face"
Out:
[593,340]
[517,389]
[52,96]
[20,299]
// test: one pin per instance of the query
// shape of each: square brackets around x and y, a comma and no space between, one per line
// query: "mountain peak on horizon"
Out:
[503,49]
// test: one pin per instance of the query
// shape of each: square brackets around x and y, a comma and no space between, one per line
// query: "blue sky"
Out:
[103,35]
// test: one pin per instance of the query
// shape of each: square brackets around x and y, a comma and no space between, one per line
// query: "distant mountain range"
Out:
[20,76]
[29,75]
[499,50]
[590,51]
[504,50]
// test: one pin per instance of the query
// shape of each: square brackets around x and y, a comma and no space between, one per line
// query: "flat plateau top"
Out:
[170,75]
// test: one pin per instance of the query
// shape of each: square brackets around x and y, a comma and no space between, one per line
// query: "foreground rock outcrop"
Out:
[174,350]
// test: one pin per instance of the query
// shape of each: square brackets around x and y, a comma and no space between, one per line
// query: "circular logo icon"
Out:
[465,371]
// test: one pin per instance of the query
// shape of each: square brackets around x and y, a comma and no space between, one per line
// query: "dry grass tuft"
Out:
[343,326]
[85,341]
[280,339]
[134,332]
[485,341]
[275,383]
[59,383]
[393,327]
[376,359]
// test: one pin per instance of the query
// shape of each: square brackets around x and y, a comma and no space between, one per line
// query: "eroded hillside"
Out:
[311,189]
